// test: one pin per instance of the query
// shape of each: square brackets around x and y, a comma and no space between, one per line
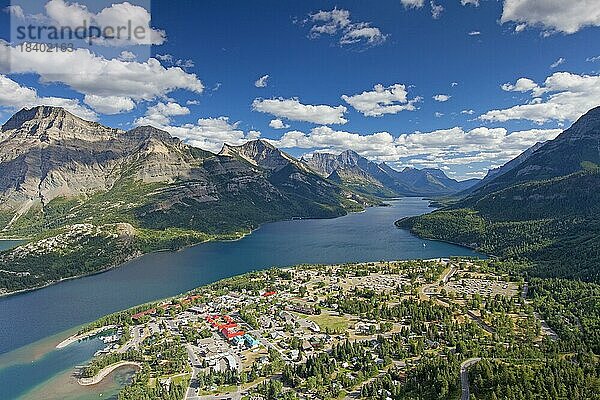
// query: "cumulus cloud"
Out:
[99,78]
[261,82]
[211,133]
[337,22]
[522,85]
[278,124]
[293,110]
[109,104]
[160,114]
[382,100]
[563,96]
[468,112]
[13,96]
[62,13]
[127,56]
[470,2]
[441,97]
[454,146]
[552,15]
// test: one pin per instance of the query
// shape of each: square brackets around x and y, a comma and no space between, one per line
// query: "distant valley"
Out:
[362,175]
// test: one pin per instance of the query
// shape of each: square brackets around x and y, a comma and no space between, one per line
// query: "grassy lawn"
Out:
[251,357]
[331,322]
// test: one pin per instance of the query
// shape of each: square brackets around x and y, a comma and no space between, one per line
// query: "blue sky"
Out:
[212,53]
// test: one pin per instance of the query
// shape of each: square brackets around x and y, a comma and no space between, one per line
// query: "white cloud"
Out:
[522,85]
[109,104]
[15,11]
[563,97]
[329,22]
[293,110]
[474,33]
[438,114]
[337,22]
[441,97]
[436,10]
[558,62]
[192,102]
[363,32]
[323,137]
[93,75]
[278,124]
[211,133]
[73,15]
[413,3]
[171,61]
[160,114]
[261,82]
[468,112]
[593,59]
[127,56]
[453,146]
[382,100]
[552,15]
[14,97]
[470,2]
[454,84]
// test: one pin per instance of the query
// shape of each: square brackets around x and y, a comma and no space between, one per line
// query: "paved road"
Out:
[464,377]
[525,290]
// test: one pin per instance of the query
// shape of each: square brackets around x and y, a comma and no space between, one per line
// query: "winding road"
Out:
[464,377]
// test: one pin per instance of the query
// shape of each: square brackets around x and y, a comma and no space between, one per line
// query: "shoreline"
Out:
[104,372]
[132,258]
[135,257]
[86,335]
[466,246]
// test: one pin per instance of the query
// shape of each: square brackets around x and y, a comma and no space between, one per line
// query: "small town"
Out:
[352,330]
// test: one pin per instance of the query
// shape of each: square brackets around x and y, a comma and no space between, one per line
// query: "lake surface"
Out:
[33,316]
[9,244]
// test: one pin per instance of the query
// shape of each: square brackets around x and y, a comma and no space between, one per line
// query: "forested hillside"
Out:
[546,209]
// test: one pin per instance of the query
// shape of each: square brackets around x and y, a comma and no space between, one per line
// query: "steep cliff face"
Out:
[49,153]
[261,154]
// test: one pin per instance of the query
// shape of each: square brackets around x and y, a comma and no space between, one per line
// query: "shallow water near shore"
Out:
[6,244]
[55,310]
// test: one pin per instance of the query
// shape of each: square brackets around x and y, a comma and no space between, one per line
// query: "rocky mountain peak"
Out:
[147,132]
[260,153]
[48,124]
[46,115]
[588,125]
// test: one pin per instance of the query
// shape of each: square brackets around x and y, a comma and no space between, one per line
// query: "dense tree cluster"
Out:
[571,377]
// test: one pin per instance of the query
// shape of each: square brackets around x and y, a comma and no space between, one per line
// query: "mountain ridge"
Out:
[544,209]
[407,182]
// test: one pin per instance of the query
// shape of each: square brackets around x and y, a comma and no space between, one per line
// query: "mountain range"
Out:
[137,191]
[362,175]
[51,159]
[543,207]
